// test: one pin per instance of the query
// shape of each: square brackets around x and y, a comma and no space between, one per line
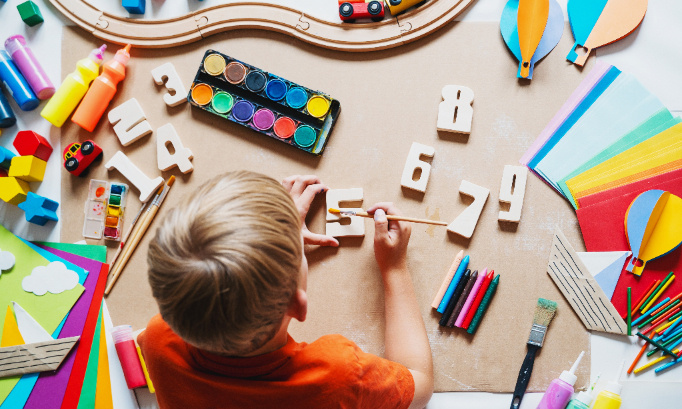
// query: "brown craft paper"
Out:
[389,99]
[37,357]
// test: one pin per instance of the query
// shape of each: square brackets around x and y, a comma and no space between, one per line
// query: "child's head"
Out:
[225,263]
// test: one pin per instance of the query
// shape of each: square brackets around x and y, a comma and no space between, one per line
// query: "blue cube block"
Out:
[134,6]
[39,209]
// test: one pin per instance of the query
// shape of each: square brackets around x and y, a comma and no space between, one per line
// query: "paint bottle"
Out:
[127,354]
[73,89]
[609,398]
[28,65]
[582,401]
[7,117]
[102,91]
[560,390]
[16,83]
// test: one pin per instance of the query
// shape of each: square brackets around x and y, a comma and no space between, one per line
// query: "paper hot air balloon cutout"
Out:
[532,25]
[595,23]
[653,225]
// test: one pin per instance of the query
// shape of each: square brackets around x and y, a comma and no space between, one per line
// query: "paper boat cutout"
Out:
[37,357]
[606,267]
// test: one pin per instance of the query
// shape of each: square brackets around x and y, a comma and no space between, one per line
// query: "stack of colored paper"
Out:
[611,141]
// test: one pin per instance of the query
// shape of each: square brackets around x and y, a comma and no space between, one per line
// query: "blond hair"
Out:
[225,262]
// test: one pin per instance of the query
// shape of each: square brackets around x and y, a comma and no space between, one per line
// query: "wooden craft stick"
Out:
[654,362]
[644,297]
[656,344]
[144,225]
[658,287]
[638,357]
[659,292]
[629,311]
[130,230]
[388,216]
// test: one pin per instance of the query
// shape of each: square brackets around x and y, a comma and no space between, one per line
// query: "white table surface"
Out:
[653,53]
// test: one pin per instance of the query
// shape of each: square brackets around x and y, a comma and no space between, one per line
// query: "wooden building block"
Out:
[135,176]
[512,191]
[27,168]
[30,143]
[30,13]
[413,163]
[177,93]
[465,223]
[134,6]
[39,209]
[13,190]
[130,122]
[334,228]
[6,156]
[455,112]
[3,173]
[166,137]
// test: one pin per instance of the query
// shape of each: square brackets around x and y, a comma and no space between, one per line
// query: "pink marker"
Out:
[470,298]
[28,65]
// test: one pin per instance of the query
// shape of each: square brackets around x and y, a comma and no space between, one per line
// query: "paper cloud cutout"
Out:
[7,261]
[54,277]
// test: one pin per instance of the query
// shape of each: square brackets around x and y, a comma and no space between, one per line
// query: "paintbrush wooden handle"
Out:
[404,219]
[524,376]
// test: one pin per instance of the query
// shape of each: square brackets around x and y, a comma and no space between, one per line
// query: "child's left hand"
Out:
[303,190]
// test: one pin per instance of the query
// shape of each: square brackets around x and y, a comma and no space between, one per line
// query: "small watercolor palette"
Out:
[104,210]
[266,103]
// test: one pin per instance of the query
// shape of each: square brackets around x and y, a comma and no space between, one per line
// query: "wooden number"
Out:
[177,94]
[165,136]
[455,112]
[465,223]
[413,163]
[142,182]
[512,191]
[334,228]
[130,123]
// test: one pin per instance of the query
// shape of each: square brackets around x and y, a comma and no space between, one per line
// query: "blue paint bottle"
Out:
[16,83]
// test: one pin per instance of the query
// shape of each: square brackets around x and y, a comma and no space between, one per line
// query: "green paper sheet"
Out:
[89,390]
[48,310]
[91,251]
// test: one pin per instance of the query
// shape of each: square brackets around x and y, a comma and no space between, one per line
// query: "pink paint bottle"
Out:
[127,354]
[560,390]
[28,65]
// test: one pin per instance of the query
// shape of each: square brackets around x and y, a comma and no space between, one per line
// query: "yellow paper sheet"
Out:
[10,332]
[103,399]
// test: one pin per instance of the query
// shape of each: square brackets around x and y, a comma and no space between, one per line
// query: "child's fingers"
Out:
[306,198]
[318,239]
[380,225]
[302,182]
[288,182]
[388,208]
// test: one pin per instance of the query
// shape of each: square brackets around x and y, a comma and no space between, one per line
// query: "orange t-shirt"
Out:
[331,372]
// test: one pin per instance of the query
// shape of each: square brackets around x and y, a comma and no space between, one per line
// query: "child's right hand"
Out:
[390,238]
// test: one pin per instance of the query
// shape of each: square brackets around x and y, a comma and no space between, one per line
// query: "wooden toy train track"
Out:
[388,33]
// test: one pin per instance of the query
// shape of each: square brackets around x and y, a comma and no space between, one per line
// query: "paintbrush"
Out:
[544,312]
[388,216]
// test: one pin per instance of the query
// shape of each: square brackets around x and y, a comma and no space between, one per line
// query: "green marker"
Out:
[484,305]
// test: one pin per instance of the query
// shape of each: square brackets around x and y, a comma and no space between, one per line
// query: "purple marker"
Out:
[28,65]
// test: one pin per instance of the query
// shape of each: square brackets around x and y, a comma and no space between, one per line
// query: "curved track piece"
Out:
[192,27]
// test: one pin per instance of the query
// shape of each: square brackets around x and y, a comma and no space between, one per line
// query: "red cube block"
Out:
[29,143]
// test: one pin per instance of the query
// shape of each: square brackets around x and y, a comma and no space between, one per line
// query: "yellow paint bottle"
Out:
[609,398]
[74,87]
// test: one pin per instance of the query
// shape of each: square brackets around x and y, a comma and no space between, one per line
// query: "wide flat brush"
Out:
[544,312]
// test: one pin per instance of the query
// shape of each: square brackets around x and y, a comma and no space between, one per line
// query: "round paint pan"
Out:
[214,64]
[242,111]
[235,72]
[297,97]
[263,119]
[276,90]
[222,102]
[318,106]
[305,136]
[284,127]
[255,81]
[202,94]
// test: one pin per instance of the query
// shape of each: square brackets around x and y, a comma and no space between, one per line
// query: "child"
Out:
[227,269]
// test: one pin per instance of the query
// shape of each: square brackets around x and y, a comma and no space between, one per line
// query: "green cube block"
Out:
[30,13]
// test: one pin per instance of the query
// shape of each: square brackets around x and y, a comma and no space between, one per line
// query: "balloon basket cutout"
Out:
[531,29]
[595,23]
[653,225]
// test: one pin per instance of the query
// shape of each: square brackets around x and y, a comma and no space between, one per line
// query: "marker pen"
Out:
[127,354]
[74,87]
[16,83]
[102,91]
[29,66]
[7,117]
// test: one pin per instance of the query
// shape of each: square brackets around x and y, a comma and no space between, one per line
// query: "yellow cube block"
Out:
[27,168]
[13,190]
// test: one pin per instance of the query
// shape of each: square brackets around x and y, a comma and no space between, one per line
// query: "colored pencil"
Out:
[629,311]
[455,297]
[470,298]
[654,362]
[659,292]
[389,217]
[462,299]
[145,222]
[645,316]
[656,344]
[487,298]
[477,300]
[658,287]
[453,284]
[637,358]
[646,294]
[448,278]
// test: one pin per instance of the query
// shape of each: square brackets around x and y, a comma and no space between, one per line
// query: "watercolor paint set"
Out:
[104,210]
[264,102]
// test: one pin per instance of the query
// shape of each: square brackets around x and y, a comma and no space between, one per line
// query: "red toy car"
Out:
[77,157]
[350,10]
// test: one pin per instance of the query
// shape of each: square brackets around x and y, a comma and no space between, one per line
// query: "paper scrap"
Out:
[7,261]
[29,328]
[34,357]
[10,333]
[606,267]
[581,289]
[54,277]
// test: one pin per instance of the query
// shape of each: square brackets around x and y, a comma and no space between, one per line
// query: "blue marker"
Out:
[16,83]
[453,284]
[7,117]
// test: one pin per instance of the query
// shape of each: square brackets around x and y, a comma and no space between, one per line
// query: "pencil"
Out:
[448,278]
[629,311]
[656,344]
[137,237]
[388,216]
[487,298]
[130,229]
[644,297]
[660,285]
